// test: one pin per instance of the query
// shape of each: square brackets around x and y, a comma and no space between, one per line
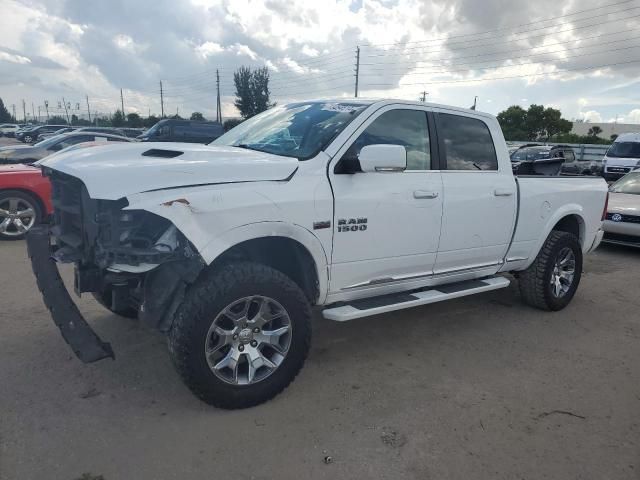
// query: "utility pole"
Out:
[13,106]
[33,111]
[88,109]
[122,102]
[38,113]
[423,96]
[66,112]
[218,106]
[24,111]
[161,101]
[357,68]
[46,107]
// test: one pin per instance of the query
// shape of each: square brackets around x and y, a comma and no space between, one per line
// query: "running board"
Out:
[400,301]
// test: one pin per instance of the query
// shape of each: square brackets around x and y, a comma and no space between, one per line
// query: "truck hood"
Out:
[115,171]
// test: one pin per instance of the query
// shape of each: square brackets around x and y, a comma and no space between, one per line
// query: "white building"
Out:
[608,129]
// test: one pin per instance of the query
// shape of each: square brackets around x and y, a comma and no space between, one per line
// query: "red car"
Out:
[25,200]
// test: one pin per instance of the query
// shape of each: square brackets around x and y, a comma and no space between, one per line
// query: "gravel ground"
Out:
[476,388]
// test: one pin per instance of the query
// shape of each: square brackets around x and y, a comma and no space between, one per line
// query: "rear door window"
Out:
[467,143]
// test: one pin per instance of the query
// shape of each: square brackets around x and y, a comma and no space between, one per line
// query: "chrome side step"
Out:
[400,301]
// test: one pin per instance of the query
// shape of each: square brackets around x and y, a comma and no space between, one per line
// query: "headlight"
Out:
[604,161]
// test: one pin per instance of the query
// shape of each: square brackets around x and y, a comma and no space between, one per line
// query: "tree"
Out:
[150,121]
[594,131]
[232,122]
[57,120]
[197,116]
[5,116]
[134,120]
[252,91]
[513,122]
[535,123]
[118,119]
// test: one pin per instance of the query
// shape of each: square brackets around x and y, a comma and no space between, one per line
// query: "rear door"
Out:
[479,195]
[386,224]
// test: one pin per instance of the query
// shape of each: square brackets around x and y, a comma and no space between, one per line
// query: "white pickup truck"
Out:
[353,206]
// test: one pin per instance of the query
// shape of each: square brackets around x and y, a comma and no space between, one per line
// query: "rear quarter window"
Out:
[467,143]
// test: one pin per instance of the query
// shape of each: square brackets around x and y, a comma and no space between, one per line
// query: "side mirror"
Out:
[383,158]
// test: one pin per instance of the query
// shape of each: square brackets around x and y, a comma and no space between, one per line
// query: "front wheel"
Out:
[552,279]
[241,335]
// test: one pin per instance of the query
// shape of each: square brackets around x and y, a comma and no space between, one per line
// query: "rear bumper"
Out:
[84,342]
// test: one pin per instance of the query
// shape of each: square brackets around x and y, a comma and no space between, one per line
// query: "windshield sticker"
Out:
[339,107]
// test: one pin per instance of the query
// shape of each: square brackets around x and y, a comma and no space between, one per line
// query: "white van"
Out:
[622,157]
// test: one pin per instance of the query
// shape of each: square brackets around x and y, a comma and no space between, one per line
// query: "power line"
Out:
[595,67]
[491,67]
[501,28]
[476,45]
[385,64]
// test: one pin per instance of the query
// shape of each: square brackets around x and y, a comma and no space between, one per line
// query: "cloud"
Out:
[72,48]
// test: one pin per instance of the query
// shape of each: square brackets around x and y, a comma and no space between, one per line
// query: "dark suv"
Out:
[173,130]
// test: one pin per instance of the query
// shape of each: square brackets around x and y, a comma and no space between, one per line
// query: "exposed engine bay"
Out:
[132,259]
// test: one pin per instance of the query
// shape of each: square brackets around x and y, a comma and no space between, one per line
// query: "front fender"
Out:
[215,220]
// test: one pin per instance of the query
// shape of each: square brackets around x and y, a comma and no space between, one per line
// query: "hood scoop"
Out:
[161,153]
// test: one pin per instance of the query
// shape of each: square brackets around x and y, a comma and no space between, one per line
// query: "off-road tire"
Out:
[104,299]
[534,282]
[205,299]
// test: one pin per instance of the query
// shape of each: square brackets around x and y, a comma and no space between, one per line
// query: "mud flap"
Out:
[84,342]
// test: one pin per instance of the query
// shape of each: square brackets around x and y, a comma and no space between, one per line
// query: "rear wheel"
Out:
[19,212]
[241,335]
[553,278]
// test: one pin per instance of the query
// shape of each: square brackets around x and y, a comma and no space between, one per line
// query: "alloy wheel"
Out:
[17,216]
[248,340]
[563,273]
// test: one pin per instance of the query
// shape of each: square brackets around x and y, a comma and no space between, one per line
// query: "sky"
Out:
[582,56]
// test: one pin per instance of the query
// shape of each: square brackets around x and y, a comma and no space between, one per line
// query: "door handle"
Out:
[424,194]
[502,192]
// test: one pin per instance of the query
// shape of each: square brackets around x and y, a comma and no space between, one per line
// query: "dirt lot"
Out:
[477,388]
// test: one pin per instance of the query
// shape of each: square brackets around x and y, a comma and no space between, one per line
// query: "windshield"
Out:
[298,130]
[630,183]
[529,154]
[624,150]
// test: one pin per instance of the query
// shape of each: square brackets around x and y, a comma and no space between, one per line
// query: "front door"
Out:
[480,199]
[386,224]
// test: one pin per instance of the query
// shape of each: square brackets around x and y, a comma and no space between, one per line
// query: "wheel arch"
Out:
[568,218]
[291,249]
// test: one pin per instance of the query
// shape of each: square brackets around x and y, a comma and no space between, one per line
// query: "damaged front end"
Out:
[132,260]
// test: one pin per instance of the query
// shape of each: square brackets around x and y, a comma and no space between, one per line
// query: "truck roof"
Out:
[394,101]
[628,137]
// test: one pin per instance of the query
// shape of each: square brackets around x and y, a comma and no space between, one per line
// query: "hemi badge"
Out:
[321,225]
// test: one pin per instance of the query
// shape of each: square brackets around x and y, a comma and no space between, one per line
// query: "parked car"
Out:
[622,224]
[31,135]
[8,129]
[622,157]
[26,195]
[133,132]
[173,130]
[25,200]
[347,205]
[31,153]
[109,130]
[535,159]
[42,136]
